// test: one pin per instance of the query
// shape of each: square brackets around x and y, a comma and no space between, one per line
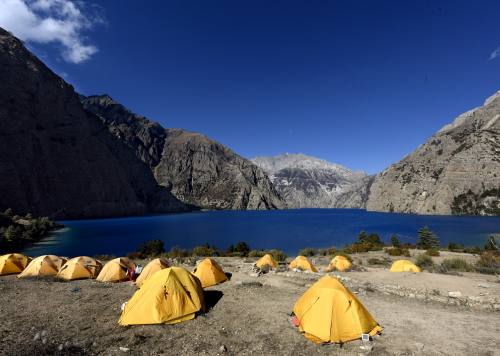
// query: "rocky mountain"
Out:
[196,169]
[309,182]
[59,160]
[457,171]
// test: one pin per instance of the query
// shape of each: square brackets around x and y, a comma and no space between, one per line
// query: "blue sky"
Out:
[361,83]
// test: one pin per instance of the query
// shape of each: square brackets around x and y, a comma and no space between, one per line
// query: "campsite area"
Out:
[249,315]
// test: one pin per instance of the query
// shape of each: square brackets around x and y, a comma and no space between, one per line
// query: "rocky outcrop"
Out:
[56,159]
[457,171]
[309,182]
[196,169]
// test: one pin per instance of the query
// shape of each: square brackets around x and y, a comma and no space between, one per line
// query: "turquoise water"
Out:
[288,230]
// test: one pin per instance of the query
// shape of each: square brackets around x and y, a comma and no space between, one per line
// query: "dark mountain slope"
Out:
[57,159]
[197,170]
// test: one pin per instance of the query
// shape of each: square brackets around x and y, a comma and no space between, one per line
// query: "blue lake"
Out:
[288,230]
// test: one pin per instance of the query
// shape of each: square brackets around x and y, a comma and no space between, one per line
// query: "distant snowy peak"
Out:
[309,182]
[273,164]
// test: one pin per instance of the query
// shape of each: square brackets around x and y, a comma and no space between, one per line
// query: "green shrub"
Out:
[396,251]
[177,252]
[240,249]
[256,253]
[432,252]
[454,247]
[424,261]
[151,248]
[308,252]
[204,251]
[489,263]
[456,264]
[395,241]
[328,251]
[278,255]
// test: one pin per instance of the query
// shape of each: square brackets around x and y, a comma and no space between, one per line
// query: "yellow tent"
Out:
[169,296]
[339,263]
[303,264]
[81,267]
[115,270]
[13,263]
[209,273]
[266,260]
[404,266]
[154,266]
[329,312]
[46,265]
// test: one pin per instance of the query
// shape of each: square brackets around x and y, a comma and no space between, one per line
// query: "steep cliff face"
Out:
[309,182]
[457,171]
[57,159]
[197,170]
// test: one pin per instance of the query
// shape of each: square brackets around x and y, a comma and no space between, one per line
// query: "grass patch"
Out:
[397,251]
[424,261]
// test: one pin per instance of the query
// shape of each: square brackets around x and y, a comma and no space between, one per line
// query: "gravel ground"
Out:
[247,316]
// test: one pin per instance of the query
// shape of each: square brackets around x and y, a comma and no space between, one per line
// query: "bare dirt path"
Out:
[249,316]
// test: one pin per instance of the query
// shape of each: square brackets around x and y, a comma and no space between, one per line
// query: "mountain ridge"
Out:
[196,169]
[309,182]
[455,172]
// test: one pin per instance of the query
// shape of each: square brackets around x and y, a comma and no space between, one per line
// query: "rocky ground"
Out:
[249,315]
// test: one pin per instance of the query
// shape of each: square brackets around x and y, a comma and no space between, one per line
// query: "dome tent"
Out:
[404,266]
[46,265]
[302,263]
[266,260]
[209,273]
[169,296]
[329,312]
[82,267]
[339,263]
[13,263]
[115,270]
[151,268]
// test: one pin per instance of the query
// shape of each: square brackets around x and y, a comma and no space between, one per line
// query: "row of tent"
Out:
[84,267]
[338,263]
[327,312]
[117,269]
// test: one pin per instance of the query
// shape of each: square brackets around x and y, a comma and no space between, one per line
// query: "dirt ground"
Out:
[248,316]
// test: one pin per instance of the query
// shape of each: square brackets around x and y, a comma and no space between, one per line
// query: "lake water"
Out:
[288,230]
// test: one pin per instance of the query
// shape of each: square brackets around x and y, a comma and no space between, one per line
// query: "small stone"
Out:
[60,347]
[411,295]
[254,275]
[483,285]
[67,344]
[36,337]
[419,346]
[44,333]
[456,294]
[124,349]
[223,348]
[44,341]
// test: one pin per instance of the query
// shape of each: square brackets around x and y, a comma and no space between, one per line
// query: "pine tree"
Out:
[395,241]
[491,244]
[12,233]
[427,239]
[362,237]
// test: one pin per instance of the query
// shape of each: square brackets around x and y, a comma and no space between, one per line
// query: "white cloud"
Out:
[49,21]
[495,54]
